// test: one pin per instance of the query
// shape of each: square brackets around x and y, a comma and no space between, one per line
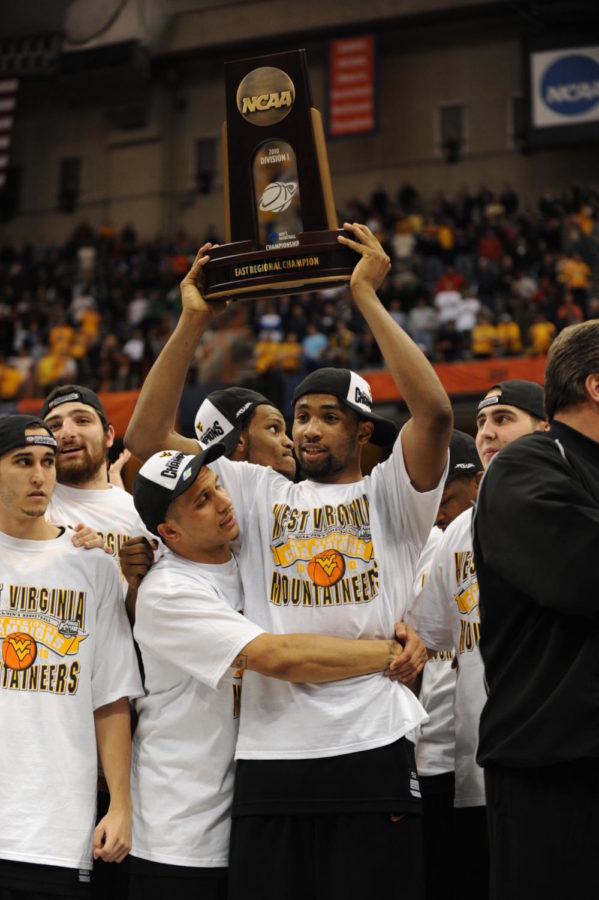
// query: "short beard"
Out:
[82,471]
[315,470]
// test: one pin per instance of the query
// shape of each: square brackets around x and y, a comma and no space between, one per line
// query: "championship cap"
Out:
[73,393]
[163,478]
[525,395]
[463,457]
[353,391]
[222,414]
[12,433]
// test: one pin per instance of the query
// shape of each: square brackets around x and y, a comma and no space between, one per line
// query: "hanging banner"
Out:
[352,96]
[8,101]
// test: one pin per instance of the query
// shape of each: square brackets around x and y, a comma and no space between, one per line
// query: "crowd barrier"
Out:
[459,379]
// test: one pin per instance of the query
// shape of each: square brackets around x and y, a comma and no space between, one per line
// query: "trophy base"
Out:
[241,272]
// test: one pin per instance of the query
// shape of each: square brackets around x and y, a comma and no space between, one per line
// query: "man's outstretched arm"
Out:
[318,658]
[152,425]
[425,438]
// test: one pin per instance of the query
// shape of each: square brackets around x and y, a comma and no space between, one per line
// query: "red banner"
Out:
[457,378]
[352,107]
[465,378]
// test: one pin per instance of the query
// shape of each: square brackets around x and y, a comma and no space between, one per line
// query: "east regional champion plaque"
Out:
[280,219]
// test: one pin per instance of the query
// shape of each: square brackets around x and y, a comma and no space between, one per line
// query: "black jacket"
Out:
[536,547]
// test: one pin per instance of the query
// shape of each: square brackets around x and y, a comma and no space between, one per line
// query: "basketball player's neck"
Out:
[26,528]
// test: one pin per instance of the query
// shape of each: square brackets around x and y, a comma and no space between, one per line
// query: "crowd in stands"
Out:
[473,277]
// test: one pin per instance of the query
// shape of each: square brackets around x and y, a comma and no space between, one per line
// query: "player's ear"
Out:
[365,429]
[591,386]
[240,454]
[168,531]
[109,436]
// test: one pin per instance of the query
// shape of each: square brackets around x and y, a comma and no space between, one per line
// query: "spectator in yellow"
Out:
[509,337]
[445,236]
[484,337]
[60,336]
[575,273]
[584,220]
[89,324]
[290,353]
[55,368]
[541,334]
[11,380]
[266,354]
[79,345]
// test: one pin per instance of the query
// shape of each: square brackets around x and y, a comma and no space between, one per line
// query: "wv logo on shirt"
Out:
[40,627]
[328,552]
[466,598]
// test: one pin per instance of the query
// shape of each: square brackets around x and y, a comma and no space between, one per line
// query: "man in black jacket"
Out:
[536,546]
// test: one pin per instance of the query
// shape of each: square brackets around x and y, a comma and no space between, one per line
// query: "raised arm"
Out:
[152,425]
[425,438]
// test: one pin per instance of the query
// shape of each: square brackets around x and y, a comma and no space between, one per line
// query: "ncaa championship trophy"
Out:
[280,220]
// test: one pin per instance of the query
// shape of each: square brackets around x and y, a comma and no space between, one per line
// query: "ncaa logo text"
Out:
[570,86]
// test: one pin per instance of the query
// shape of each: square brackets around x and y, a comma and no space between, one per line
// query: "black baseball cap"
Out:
[73,393]
[463,457]
[12,433]
[222,415]
[526,395]
[164,477]
[353,391]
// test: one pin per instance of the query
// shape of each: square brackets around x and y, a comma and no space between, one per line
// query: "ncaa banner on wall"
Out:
[564,87]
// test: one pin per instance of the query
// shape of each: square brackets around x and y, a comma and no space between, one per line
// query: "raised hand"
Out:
[192,286]
[374,265]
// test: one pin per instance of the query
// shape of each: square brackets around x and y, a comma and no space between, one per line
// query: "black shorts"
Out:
[159,881]
[349,856]
[439,836]
[29,881]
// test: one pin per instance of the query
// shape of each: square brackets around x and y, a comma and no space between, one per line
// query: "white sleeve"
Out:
[431,613]
[192,629]
[425,561]
[244,482]
[115,670]
[416,511]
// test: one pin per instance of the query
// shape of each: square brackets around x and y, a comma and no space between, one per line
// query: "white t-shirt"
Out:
[448,303]
[435,739]
[73,654]
[467,314]
[110,511]
[189,631]
[446,615]
[336,559]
